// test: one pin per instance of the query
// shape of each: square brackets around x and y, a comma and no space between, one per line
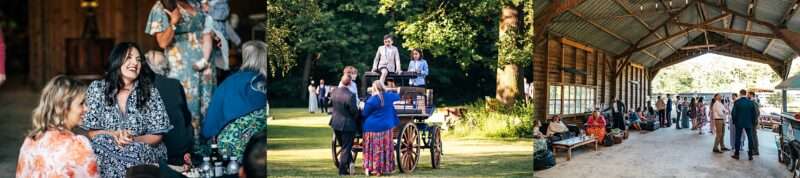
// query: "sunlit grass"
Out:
[299,146]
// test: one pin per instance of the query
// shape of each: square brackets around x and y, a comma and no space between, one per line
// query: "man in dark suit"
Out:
[180,139]
[669,110]
[322,95]
[618,111]
[744,117]
[344,121]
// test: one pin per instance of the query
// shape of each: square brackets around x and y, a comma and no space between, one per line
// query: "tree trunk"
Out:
[509,84]
[306,74]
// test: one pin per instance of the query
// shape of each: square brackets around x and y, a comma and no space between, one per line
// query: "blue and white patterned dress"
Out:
[185,50]
[113,159]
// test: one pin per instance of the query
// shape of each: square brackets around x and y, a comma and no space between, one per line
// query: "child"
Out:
[216,24]
[387,59]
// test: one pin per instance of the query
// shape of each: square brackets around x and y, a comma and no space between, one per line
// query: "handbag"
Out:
[608,141]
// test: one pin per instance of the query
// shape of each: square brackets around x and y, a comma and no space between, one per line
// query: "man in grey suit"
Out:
[744,116]
[344,121]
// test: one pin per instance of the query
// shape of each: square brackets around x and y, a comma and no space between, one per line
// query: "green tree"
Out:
[457,28]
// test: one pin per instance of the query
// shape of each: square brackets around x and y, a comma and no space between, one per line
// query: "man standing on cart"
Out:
[344,121]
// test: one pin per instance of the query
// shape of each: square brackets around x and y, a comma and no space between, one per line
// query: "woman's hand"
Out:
[174,16]
[122,137]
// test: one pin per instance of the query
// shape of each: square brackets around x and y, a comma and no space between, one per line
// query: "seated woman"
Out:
[238,106]
[51,149]
[557,130]
[126,118]
[596,126]
[381,118]
[635,118]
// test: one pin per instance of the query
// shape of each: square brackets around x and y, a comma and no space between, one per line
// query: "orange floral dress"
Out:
[597,128]
[57,154]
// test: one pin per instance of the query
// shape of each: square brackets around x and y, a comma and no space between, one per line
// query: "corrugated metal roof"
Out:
[610,15]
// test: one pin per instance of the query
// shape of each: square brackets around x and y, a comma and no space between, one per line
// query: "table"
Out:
[574,142]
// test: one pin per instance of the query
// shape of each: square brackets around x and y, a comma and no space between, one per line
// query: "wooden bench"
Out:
[569,144]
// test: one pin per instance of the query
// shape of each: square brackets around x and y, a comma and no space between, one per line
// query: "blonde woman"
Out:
[51,149]
[380,120]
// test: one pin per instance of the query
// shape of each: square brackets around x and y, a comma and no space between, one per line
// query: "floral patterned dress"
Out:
[185,50]
[151,119]
[57,153]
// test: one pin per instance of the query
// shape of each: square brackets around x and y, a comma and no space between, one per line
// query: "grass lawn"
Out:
[299,146]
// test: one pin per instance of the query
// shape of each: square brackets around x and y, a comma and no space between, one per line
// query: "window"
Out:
[570,99]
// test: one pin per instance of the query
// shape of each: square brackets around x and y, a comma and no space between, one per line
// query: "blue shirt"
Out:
[379,118]
[240,94]
[421,67]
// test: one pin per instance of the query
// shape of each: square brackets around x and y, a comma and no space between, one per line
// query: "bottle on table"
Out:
[215,155]
[205,167]
[233,166]
[219,170]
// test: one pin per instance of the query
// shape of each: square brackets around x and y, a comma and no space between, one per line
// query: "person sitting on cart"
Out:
[387,58]
[381,118]
[344,121]
[418,65]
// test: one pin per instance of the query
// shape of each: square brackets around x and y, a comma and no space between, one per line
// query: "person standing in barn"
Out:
[177,26]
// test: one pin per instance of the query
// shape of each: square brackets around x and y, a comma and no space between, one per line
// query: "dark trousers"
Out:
[678,121]
[750,138]
[619,121]
[668,114]
[346,139]
[662,118]
[323,105]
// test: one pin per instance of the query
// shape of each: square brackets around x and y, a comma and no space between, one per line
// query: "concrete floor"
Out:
[668,152]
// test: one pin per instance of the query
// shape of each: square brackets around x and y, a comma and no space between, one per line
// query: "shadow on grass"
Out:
[483,165]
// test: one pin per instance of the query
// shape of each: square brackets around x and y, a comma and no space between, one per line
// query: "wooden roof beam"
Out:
[788,13]
[553,10]
[751,13]
[729,31]
[745,16]
[680,33]
[641,21]
[634,47]
[598,26]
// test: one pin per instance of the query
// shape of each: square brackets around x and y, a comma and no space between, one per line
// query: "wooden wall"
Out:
[51,22]
[559,53]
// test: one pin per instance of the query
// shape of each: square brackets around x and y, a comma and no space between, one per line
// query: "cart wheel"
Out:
[336,150]
[407,149]
[436,147]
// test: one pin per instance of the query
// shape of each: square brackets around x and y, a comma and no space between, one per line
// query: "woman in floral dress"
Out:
[51,149]
[126,116]
[381,118]
[179,32]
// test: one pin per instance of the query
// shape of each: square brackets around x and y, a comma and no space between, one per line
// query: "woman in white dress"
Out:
[312,98]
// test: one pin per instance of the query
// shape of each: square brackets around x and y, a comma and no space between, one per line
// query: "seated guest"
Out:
[51,149]
[635,118]
[419,65]
[254,163]
[596,126]
[387,58]
[238,106]
[180,139]
[126,117]
[557,128]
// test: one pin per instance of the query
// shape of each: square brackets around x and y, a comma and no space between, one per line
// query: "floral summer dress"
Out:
[185,50]
[151,119]
[57,154]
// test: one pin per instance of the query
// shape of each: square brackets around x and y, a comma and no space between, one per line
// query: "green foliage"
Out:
[488,118]
[287,20]
[708,73]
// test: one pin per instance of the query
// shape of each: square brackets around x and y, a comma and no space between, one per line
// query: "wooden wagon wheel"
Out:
[436,146]
[408,147]
[336,150]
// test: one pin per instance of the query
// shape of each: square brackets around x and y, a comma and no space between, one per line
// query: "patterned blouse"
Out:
[57,154]
[113,159]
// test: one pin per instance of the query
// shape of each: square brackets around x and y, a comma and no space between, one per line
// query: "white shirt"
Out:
[718,111]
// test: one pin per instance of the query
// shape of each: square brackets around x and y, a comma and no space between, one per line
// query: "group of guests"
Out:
[375,120]
[148,112]
[740,113]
